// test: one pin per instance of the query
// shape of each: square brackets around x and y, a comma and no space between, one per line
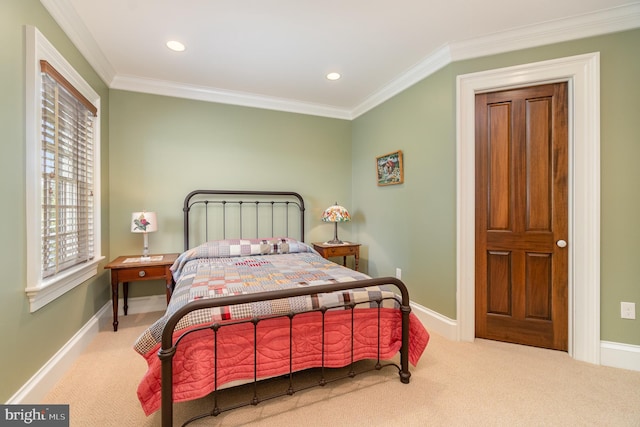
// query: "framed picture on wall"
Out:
[389,168]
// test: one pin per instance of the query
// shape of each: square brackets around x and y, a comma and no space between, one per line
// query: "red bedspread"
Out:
[194,369]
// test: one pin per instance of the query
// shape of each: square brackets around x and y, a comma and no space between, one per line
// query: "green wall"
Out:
[413,225]
[31,339]
[155,149]
[162,148]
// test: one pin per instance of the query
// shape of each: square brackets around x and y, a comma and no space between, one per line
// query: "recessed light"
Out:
[175,46]
[333,76]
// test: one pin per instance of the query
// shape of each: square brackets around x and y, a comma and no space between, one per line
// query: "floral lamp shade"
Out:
[144,222]
[336,214]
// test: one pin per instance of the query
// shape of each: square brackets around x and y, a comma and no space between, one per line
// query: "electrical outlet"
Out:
[398,274]
[628,310]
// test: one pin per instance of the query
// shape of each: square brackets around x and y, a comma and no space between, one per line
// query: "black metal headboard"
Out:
[224,214]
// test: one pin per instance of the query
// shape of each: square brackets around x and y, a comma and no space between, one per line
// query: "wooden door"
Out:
[522,216]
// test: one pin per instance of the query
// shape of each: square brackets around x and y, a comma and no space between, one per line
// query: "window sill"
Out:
[49,290]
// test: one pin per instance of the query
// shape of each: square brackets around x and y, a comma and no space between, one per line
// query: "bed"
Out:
[253,301]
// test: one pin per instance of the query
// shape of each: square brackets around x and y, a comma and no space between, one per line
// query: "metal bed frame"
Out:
[224,199]
[290,202]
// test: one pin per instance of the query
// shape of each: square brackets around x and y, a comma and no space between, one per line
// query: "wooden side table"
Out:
[344,250]
[130,268]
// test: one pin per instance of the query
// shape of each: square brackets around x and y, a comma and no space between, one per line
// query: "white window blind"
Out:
[67,155]
[62,147]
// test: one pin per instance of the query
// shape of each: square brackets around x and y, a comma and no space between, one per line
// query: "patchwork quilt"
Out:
[241,266]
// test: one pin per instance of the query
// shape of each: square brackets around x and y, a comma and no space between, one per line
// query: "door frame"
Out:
[582,72]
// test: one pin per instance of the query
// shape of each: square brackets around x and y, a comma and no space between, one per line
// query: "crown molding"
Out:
[588,25]
[67,18]
[204,93]
[606,21]
[440,58]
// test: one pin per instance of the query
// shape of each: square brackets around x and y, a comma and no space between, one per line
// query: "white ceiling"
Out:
[275,53]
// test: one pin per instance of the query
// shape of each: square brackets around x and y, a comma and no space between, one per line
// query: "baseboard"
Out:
[34,390]
[37,387]
[146,304]
[619,355]
[436,322]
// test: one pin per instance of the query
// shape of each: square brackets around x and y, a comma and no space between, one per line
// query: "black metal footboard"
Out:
[169,346]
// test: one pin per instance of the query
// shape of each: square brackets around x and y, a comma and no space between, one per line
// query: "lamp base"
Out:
[335,242]
[145,250]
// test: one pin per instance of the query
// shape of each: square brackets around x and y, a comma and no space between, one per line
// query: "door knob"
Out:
[561,243]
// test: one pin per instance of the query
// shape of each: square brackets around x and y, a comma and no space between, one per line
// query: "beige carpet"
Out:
[484,383]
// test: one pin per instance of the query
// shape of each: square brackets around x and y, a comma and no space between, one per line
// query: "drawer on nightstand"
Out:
[344,251]
[141,273]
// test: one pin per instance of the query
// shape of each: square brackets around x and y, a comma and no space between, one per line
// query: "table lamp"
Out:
[144,222]
[335,214]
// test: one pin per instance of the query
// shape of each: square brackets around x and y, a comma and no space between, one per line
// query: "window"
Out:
[67,174]
[63,165]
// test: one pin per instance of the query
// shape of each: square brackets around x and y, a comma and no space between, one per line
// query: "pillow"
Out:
[241,247]
[247,247]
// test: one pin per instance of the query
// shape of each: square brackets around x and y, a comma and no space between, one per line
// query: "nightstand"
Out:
[344,250]
[130,268]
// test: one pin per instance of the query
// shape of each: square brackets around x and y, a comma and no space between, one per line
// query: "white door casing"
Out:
[582,72]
